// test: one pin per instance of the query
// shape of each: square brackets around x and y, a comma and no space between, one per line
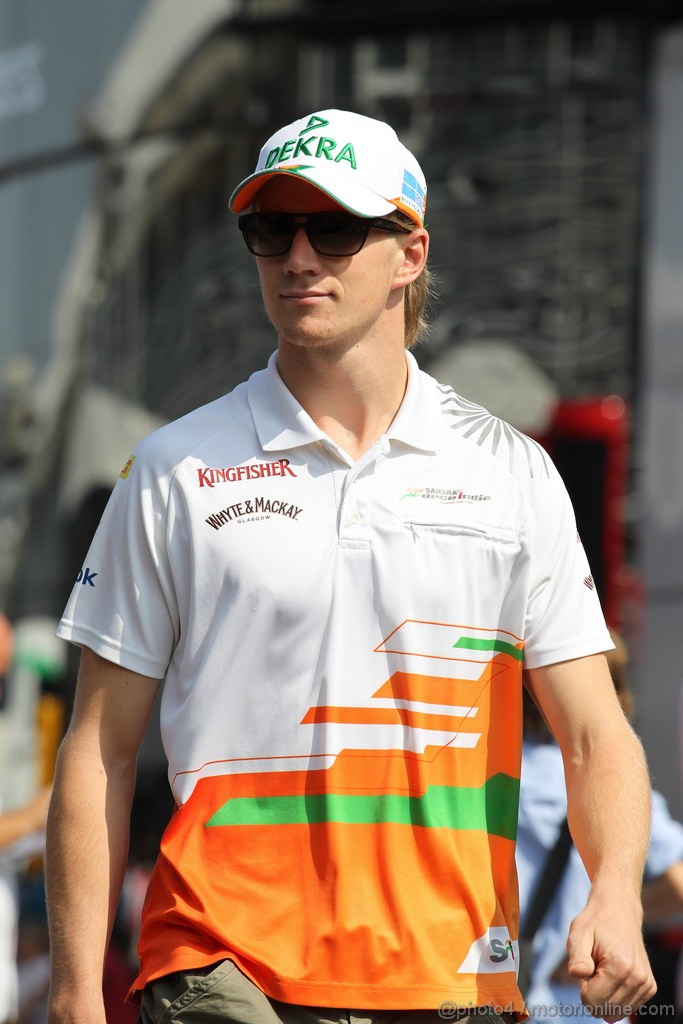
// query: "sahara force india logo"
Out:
[444,495]
[252,510]
[501,950]
[494,952]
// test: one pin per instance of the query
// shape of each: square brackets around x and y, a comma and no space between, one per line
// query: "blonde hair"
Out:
[418,294]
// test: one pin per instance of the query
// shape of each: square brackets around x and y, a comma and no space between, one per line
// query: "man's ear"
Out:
[415,252]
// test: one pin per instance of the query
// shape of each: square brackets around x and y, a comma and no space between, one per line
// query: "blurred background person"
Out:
[21,834]
[543,809]
[31,721]
[33,951]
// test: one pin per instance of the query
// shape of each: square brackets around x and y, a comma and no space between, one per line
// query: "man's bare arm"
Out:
[608,794]
[88,830]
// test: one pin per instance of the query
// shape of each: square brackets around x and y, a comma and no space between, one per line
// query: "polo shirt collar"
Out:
[418,421]
[281,423]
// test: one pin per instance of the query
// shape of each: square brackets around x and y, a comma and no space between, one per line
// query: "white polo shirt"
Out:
[342,646]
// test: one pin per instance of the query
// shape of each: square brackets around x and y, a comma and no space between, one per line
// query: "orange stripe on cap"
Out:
[409,212]
[244,197]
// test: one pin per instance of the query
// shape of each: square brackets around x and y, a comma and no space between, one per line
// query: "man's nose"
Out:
[301,256]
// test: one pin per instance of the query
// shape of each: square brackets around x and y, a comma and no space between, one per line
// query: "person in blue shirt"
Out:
[543,808]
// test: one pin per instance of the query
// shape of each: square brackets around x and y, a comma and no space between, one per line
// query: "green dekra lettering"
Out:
[292,149]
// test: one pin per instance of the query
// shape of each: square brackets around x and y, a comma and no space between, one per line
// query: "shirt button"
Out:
[355,518]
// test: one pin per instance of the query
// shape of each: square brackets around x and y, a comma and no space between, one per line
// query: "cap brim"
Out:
[354,198]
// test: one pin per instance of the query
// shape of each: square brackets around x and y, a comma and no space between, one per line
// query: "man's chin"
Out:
[301,337]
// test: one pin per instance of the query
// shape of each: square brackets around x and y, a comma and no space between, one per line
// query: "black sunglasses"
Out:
[330,233]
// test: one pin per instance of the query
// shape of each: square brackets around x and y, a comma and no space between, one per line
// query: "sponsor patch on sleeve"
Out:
[127,468]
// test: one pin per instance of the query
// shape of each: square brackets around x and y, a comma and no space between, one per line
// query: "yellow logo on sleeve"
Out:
[127,468]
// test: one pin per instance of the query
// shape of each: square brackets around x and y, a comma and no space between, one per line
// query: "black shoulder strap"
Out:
[547,884]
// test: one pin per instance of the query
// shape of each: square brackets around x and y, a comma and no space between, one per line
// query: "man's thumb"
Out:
[580,963]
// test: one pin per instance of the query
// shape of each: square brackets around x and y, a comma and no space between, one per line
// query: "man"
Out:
[338,570]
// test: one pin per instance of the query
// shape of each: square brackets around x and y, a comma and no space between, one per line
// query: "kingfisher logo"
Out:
[255,471]
[316,147]
[500,951]
[444,495]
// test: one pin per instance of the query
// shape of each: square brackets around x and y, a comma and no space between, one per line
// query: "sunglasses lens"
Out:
[337,234]
[330,234]
[268,234]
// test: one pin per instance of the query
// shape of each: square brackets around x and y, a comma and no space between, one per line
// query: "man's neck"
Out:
[352,395]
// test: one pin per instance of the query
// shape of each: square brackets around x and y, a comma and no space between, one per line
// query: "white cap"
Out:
[357,161]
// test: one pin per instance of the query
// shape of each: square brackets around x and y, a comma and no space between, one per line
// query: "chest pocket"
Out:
[470,569]
[424,528]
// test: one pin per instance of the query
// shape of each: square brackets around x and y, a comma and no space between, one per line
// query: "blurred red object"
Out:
[589,440]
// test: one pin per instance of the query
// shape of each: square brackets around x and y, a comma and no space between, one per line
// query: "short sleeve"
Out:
[564,618]
[123,604]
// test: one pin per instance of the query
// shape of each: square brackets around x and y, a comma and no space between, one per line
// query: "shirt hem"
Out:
[110,649]
[552,656]
[355,995]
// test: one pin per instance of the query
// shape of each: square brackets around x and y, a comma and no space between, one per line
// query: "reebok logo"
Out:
[86,577]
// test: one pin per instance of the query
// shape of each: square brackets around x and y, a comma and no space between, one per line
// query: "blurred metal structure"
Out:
[531,139]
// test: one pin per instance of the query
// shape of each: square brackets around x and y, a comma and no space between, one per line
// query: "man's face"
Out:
[315,300]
